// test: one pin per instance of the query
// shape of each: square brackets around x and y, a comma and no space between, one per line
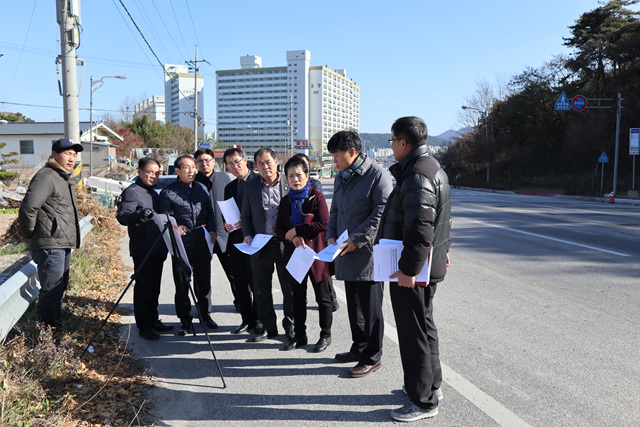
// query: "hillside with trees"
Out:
[532,144]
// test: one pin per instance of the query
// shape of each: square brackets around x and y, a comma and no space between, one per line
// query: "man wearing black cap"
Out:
[49,217]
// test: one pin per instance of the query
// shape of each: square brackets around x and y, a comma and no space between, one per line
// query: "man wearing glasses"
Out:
[215,183]
[260,204]
[135,210]
[190,204]
[240,263]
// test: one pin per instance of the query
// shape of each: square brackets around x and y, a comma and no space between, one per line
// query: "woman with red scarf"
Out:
[302,221]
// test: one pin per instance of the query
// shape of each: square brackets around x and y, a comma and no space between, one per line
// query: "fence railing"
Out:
[21,289]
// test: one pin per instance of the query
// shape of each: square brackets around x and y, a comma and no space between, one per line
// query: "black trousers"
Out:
[322,290]
[243,284]
[200,260]
[53,274]
[364,306]
[418,340]
[146,290]
[262,264]
[225,263]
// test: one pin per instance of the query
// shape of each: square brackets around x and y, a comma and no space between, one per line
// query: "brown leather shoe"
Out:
[347,357]
[362,370]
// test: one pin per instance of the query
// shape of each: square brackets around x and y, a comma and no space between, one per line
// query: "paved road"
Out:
[538,322]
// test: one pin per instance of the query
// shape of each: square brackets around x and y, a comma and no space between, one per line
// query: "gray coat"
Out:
[48,214]
[215,185]
[357,206]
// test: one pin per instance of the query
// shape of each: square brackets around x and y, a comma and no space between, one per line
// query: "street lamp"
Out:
[486,133]
[91,115]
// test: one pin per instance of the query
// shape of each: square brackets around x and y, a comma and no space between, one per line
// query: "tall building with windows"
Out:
[152,108]
[179,90]
[296,106]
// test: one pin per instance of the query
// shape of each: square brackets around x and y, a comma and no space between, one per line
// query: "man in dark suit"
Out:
[215,183]
[259,211]
[236,162]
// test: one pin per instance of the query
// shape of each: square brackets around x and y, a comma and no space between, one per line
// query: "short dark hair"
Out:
[296,161]
[143,162]
[202,151]
[345,140]
[178,163]
[261,153]
[302,156]
[231,151]
[413,129]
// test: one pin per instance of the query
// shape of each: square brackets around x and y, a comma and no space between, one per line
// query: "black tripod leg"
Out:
[133,277]
[186,280]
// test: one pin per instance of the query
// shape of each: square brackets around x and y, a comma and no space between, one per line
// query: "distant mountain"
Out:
[453,134]
[381,140]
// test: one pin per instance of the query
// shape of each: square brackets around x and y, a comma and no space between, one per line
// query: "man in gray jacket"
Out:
[360,192]
[49,217]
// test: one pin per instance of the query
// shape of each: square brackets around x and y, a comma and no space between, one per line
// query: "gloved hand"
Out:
[145,213]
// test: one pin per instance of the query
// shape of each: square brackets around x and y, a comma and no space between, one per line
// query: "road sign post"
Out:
[602,159]
[634,149]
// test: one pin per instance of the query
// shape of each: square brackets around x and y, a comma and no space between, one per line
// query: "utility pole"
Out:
[291,120]
[194,64]
[615,158]
[68,16]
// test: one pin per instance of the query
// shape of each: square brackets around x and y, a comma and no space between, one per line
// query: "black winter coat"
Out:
[418,212]
[143,232]
[191,207]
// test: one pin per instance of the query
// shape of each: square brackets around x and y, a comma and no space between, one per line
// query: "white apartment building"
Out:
[260,107]
[152,108]
[179,89]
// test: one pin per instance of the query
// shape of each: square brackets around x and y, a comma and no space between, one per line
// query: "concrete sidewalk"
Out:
[265,386]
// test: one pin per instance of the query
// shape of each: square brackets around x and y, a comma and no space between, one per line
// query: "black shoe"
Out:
[210,323]
[258,328]
[295,343]
[322,345]
[263,336]
[347,357]
[334,304]
[161,327]
[240,329]
[149,334]
[186,327]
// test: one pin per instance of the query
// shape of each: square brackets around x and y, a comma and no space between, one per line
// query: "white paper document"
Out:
[210,242]
[330,253]
[300,262]
[258,242]
[386,255]
[229,210]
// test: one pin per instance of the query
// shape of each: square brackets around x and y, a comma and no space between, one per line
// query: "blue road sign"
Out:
[579,102]
[603,158]
[204,144]
[563,103]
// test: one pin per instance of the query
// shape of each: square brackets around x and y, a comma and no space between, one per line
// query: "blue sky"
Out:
[421,58]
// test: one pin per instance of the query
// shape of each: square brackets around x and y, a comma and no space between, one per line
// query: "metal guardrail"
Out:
[21,289]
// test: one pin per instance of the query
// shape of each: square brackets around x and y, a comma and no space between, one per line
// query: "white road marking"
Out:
[552,238]
[487,404]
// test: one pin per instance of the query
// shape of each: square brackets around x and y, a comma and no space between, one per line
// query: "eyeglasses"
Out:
[235,163]
[394,139]
[203,161]
[188,168]
[148,172]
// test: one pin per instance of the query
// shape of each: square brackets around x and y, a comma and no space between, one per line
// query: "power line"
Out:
[168,32]
[154,54]
[55,107]
[15,71]
[179,29]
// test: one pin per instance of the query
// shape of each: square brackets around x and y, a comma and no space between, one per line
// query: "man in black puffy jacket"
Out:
[190,204]
[135,210]
[418,213]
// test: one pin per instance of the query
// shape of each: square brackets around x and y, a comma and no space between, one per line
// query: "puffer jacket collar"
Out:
[398,169]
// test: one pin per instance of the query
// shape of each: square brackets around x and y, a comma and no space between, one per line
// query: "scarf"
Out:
[297,197]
